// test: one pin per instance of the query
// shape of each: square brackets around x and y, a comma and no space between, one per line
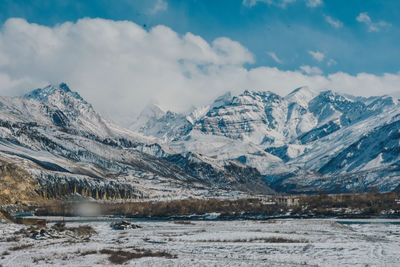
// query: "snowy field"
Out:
[292,242]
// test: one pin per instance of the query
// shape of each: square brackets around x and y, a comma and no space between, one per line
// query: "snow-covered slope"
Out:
[303,142]
[153,121]
[66,145]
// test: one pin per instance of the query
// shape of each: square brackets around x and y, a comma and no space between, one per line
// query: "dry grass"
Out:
[268,221]
[21,247]
[366,204]
[59,230]
[122,256]
[168,208]
[13,238]
[88,252]
[184,222]
[16,184]
[82,230]
[371,203]
[59,227]
[38,259]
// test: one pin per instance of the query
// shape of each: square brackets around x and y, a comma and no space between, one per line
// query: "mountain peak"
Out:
[222,100]
[64,87]
[332,96]
[302,90]
[153,109]
[43,94]
[301,95]
[151,112]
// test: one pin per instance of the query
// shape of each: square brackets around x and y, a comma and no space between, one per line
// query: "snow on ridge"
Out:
[61,135]
[304,127]
[302,131]
[301,96]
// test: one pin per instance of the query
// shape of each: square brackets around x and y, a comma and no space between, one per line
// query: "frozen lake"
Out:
[290,242]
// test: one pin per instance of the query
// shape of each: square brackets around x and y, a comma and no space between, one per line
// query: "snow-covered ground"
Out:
[311,242]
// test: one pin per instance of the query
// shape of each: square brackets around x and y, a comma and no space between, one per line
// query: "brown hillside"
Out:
[16,185]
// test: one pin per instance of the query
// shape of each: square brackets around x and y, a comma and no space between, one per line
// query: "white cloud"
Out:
[116,65]
[334,22]
[313,3]
[310,70]
[372,26]
[331,62]
[317,55]
[160,5]
[119,67]
[279,3]
[275,57]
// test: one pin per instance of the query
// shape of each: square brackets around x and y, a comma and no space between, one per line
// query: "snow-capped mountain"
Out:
[153,121]
[305,141]
[71,110]
[64,144]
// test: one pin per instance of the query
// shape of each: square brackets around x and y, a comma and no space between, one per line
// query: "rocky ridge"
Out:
[303,142]
[71,151]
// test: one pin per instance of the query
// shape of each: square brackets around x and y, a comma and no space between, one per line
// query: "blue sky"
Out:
[180,54]
[267,28]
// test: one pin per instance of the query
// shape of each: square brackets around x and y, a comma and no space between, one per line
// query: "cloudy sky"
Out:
[123,54]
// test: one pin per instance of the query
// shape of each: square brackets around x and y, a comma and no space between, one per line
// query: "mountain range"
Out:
[304,142]
[61,142]
[251,143]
